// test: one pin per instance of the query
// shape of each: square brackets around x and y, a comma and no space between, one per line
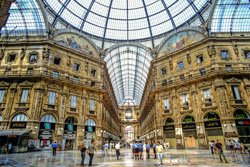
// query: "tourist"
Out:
[83,153]
[105,148]
[154,146]
[140,149]
[91,150]
[54,147]
[117,150]
[237,147]
[211,144]
[148,150]
[218,147]
[159,150]
[9,148]
[136,150]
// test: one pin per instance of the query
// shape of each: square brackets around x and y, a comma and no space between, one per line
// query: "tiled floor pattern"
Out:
[180,158]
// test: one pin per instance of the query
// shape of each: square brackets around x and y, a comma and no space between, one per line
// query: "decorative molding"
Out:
[26,84]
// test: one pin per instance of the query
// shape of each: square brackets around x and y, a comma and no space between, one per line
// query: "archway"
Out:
[70,133]
[213,128]
[89,133]
[189,132]
[169,133]
[242,123]
[47,130]
[129,134]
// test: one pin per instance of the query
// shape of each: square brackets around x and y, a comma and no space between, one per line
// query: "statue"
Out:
[236,51]
[211,50]
[22,54]
[45,56]
[1,54]
[68,62]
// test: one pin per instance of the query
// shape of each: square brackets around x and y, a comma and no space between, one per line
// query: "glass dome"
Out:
[125,19]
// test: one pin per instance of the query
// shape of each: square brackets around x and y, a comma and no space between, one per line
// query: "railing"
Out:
[193,76]
[64,77]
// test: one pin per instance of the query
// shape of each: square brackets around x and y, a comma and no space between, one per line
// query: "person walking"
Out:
[218,147]
[140,149]
[211,144]
[117,150]
[148,150]
[54,148]
[83,153]
[154,149]
[159,150]
[91,150]
[9,148]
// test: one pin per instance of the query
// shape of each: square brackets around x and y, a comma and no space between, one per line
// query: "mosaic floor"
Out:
[181,158]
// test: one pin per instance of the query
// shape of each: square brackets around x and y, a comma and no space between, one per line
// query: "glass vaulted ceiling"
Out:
[126,19]
[128,67]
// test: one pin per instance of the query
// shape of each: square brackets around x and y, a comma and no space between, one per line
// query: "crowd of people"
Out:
[137,148]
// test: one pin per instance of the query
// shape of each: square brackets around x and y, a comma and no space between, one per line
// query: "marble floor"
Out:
[181,158]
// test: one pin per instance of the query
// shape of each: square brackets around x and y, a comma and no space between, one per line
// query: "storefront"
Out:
[169,133]
[242,122]
[70,133]
[17,134]
[47,131]
[189,132]
[213,128]
[89,133]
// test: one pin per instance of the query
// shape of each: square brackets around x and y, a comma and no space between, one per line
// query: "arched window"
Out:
[211,116]
[188,119]
[19,118]
[128,113]
[48,118]
[240,114]
[71,120]
[1,118]
[169,121]
[90,122]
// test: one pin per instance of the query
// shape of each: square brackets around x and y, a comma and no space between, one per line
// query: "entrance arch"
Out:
[189,132]
[89,132]
[169,133]
[242,123]
[70,133]
[213,127]
[129,133]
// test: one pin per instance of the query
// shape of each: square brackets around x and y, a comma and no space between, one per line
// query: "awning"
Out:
[13,132]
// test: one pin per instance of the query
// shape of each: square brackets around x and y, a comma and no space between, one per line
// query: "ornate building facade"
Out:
[198,91]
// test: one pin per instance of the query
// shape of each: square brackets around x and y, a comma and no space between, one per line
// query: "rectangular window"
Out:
[52,98]
[166,104]
[11,58]
[182,77]
[75,79]
[199,59]
[184,100]
[24,96]
[33,58]
[228,67]
[163,71]
[224,54]
[76,67]
[93,72]
[236,92]
[247,54]
[164,82]
[207,95]
[91,105]
[55,74]
[57,61]
[180,65]
[2,93]
[73,101]
[203,71]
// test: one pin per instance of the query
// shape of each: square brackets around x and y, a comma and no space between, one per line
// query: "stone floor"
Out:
[181,158]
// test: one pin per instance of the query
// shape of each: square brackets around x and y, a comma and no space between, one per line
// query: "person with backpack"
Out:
[83,153]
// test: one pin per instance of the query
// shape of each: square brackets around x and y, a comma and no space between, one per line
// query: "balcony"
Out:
[238,102]
[50,107]
[22,106]
[91,112]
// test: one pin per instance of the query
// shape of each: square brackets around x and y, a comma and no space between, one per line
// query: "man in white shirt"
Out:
[159,151]
[117,150]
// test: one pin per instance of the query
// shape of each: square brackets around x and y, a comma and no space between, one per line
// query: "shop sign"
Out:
[189,126]
[45,134]
[69,135]
[212,124]
[18,125]
[168,128]
[88,136]
[243,122]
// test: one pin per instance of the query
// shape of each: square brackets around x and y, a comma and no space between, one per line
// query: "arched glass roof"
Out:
[128,68]
[125,19]
[231,16]
[25,19]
